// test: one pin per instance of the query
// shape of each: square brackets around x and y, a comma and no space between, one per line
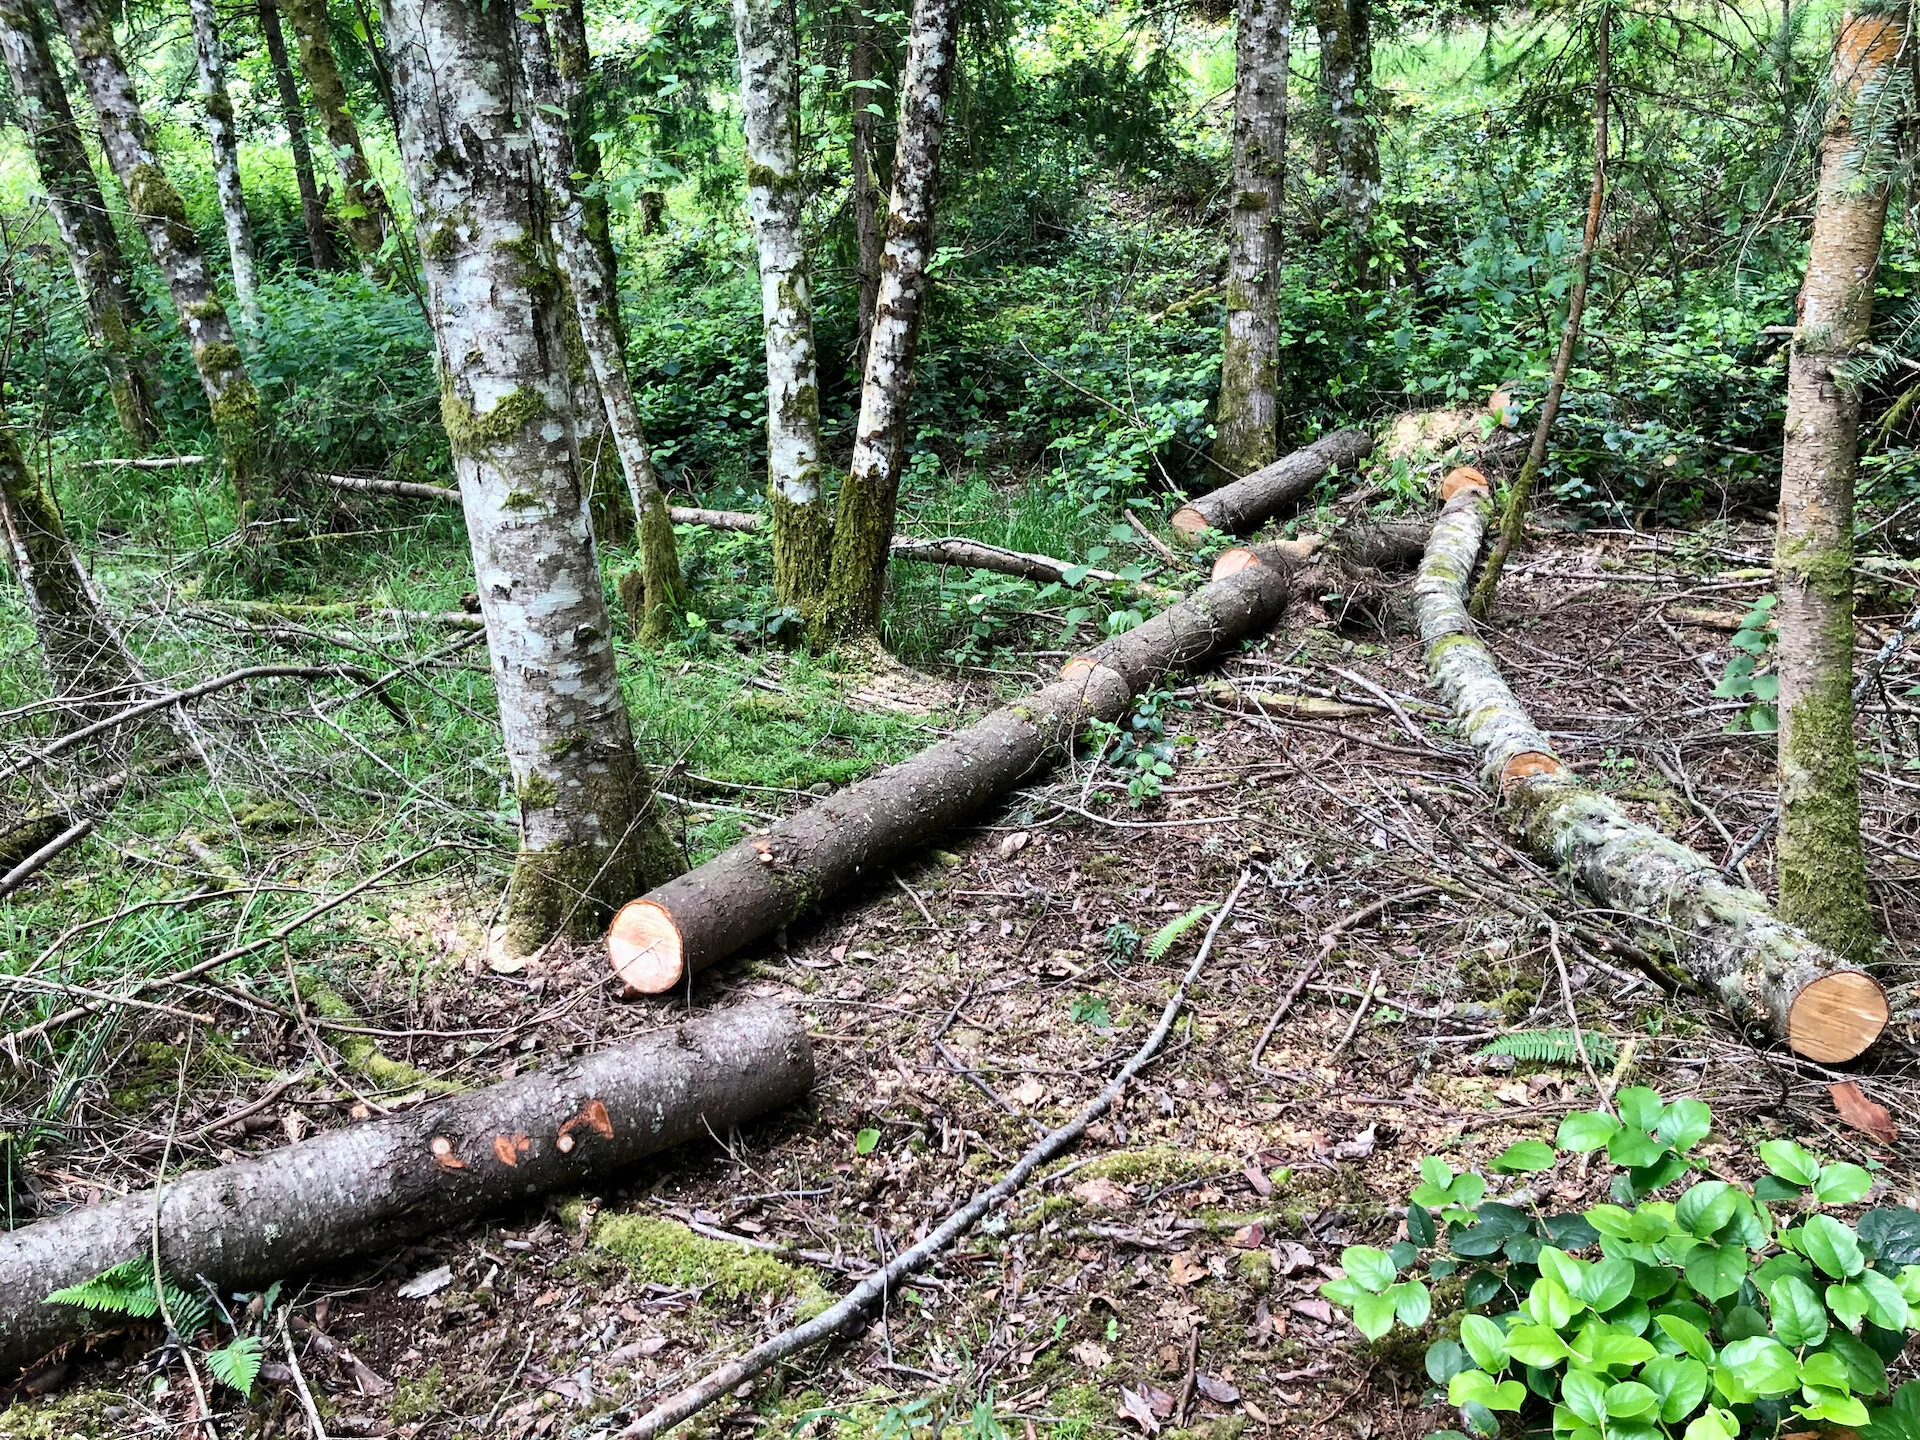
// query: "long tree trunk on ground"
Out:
[862,156]
[1346,82]
[1821,869]
[1247,418]
[1765,972]
[293,115]
[212,66]
[162,218]
[765,31]
[374,1185]
[588,834]
[1513,520]
[585,249]
[93,674]
[1250,502]
[79,212]
[863,521]
[770,879]
[363,203]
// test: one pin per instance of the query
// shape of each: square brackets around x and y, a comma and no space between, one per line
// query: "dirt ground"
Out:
[986,989]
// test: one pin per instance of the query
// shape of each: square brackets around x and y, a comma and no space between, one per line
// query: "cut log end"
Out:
[1528,764]
[1464,477]
[643,945]
[1079,667]
[1837,1016]
[1282,552]
[1189,522]
[1232,562]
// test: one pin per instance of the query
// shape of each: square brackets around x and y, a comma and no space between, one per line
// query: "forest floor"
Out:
[1163,1277]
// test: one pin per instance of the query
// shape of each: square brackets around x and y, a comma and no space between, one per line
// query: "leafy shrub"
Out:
[1753,642]
[1727,1311]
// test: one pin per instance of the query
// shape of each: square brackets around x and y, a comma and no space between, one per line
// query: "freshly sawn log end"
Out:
[1189,522]
[1463,477]
[1278,552]
[644,948]
[1837,1016]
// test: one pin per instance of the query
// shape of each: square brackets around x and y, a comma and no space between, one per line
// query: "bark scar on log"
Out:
[511,1147]
[443,1155]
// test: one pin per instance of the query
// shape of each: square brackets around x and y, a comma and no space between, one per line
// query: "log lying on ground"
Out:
[1250,502]
[768,880]
[349,1192]
[1765,972]
[407,489]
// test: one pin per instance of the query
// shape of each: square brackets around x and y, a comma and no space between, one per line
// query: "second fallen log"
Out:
[369,1186]
[1251,501]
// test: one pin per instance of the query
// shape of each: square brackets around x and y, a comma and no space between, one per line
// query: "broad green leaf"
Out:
[1344,1291]
[1681,1383]
[1585,1393]
[1909,1283]
[1836,1407]
[1785,1263]
[1707,1206]
[1684,1124]
[1866,1371]
[1373,1315]
[1686,1335]
[1826,1370]
[1420,1227]
[1742,1322]
[1536,1345]
[1639,1107]
[1435,1171]
[1798,1316]
[1848,1303]
[1557,1265]
[1485,1341]
[1606,1347]
[1524,1156]
[1716,1424]
[1445,1359]
[1411,1303]
[1550,1304]
[1789,1161]
[1832,1246]
[1716,1271]
[1614,1220]
[1634,1148]
[1842,1184]
[1630,1400]
[1585,1130]
[1372,1268]
[1765,1366]
[1886,1306]
[1476,1387]
[865,1141]
[1606,1283]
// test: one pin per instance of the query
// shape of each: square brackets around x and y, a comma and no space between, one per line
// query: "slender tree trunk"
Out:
[587,832]
[212,65]
[863,525]
[92,672]
[862,156]
[79,213]
[1513,519]
[363,203]
[770,108]
[1346,80]
[585,252]
[1247,420]
[1822,872]
[293,114]
[162,218]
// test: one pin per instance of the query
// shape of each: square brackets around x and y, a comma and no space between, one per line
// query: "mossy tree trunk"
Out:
[293,115]
[211,63]
[863,152]
[592,285]
[863,522]
[162,217]
[92,672]
[79,213]
[363,203]
[768,40]
[1822,872]
[588,834]
[1513,520]
[1346,84]
[1247,417]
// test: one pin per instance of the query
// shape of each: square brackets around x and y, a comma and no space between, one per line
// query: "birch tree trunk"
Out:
[212,67]
[768,42]
[1247,418]
[79,213]
[1513,522]
[92,672]
[162,218]
[363,203]
[863,152]
[1346,80]
[293,115]
[584,255]
[1821,869]
[863,524]
[587,832]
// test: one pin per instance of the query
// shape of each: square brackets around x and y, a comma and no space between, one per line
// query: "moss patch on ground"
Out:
[668,1253]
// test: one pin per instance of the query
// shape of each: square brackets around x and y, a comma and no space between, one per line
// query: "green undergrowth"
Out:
[665,1252]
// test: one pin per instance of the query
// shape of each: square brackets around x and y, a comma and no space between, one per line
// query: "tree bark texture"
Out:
[293,115]
[1250,502]
[768,39]
[1766,973]
[863,522]
[79,213]
[1247,418]
[587,831]
[1513,522]
[162,218]
[1346,84]
[863,152]
[593,286]
[92,672]
[371,1186]
[1821,868]
[363,203]
[767,880]
[211,63]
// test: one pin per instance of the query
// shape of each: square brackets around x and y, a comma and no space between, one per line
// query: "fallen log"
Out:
[160,462]
[765,881]
[1765,972]
[348,1192]
[1250,502]
[406,489]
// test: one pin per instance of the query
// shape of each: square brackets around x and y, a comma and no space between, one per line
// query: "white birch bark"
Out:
[587,835]
[863,523]
[765,33]
[1764,972]
[212,66]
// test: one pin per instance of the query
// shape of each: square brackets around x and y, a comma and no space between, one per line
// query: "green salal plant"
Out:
[1688,1307]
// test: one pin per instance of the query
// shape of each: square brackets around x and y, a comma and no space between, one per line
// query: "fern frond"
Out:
[237,1363]
[127,1289]
[1553,1047]
[1164,938]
